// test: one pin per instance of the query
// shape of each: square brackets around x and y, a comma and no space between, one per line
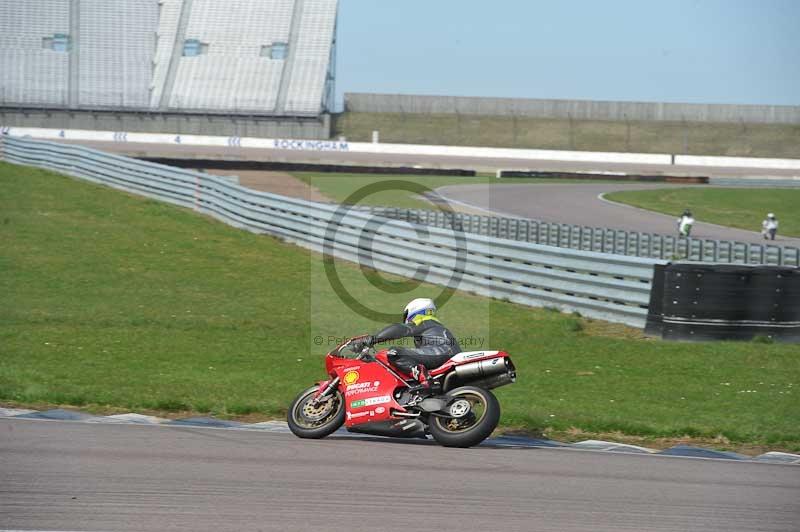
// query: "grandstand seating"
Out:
[168,19]
[233,74]
[32,73]
[310,67]
[117,44]
[230,56]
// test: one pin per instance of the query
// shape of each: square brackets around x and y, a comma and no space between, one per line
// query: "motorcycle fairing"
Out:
[472,356]
[368,390]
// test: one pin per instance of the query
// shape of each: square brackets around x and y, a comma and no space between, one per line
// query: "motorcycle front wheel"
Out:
[474,426]
[309,420]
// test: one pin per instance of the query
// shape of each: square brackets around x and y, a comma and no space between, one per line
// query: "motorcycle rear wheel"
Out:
[473,428]
[309,421]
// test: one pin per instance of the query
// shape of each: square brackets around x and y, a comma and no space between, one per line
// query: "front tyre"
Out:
[309,420]
[472,427]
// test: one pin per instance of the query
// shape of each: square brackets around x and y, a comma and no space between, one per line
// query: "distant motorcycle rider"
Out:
[769,227]
[434,343]
[685,223]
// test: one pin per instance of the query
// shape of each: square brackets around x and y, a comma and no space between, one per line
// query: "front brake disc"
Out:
[317,412]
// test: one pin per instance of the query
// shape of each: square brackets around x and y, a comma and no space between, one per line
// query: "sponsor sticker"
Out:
[380,410]
[351,377]
[381,399]
[361,388]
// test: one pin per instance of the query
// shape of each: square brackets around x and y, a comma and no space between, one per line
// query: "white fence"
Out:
[610,287]
[513,154]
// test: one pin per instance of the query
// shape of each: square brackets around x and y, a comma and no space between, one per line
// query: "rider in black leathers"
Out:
[434,343]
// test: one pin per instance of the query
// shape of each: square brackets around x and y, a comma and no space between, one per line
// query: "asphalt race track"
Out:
[579,204]
[88,477]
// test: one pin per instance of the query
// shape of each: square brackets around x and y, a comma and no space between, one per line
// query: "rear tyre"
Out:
[307,420]
[472,428]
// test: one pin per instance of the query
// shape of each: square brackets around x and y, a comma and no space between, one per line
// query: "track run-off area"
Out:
[90,477]
[410,160]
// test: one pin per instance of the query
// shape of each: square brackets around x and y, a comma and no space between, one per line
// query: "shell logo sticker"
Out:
[351,377]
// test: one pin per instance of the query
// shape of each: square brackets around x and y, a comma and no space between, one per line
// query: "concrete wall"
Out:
[571,109]
[185,124]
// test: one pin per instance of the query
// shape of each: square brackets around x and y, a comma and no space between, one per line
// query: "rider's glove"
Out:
[359,345]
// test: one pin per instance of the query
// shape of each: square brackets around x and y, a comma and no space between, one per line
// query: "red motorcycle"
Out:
[368,395]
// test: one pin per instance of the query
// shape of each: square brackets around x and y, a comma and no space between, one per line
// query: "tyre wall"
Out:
[725,302]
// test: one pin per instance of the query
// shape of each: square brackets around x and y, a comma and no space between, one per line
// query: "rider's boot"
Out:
[421,375]
[421,390]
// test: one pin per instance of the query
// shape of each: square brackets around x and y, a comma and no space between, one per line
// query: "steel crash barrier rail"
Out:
[599,239]
[610,287]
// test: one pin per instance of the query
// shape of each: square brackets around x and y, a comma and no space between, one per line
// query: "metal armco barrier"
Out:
[610,287]
[602,240]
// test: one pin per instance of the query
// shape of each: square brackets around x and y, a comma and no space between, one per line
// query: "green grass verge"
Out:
[339,187]
[120,301]
[748,140]
[744,208]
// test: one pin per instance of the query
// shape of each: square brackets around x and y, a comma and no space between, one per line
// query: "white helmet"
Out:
[770,215]
[421,305]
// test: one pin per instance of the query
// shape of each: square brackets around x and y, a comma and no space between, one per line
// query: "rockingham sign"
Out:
[311,145]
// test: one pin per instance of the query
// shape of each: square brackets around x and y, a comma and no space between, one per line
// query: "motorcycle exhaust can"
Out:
[482,369]
[495,381]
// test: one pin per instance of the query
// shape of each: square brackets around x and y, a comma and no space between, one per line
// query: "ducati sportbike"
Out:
[369,395]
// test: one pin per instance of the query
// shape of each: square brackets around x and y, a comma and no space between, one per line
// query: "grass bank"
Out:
[744,208]
[117,302]
[340,187]
[746,140]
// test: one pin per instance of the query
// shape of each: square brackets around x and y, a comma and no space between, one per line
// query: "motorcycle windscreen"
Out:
[368,393]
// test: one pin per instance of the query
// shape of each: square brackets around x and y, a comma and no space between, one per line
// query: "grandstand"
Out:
[169,65]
